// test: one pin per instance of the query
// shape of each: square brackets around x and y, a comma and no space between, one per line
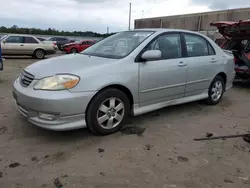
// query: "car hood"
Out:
[233,29]
[70,64]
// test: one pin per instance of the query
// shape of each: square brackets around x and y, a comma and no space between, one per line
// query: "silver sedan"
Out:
[129,73]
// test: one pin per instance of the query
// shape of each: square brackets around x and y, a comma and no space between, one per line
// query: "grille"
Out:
[26,78]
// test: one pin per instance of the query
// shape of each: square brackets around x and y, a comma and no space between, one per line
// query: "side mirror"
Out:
[4,41]
[151,55]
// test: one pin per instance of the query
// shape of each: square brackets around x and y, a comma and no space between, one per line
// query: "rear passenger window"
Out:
[30,40]
[197,46]
[210,49]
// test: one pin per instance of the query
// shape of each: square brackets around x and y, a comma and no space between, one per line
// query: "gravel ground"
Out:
[164,156]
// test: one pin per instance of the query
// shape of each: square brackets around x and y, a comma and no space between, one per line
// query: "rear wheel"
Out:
[73,50]
[216,91]
[39,54]
[107,112]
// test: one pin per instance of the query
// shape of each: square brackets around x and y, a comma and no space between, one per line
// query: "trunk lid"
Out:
[233,29]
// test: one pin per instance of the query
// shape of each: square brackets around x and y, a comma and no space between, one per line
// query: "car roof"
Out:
[162,30]
[22,35]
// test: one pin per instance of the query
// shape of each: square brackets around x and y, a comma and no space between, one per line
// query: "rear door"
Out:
[201,60]
[30,44]
[13,45]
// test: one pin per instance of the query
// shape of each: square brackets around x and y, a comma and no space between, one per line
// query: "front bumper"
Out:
[66,49]
[69,108]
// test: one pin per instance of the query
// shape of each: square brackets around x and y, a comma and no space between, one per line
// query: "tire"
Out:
[59,47]
[119,113]
[73,51]
[39,54]
[217,85]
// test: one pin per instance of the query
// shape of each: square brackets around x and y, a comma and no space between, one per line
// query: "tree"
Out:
[50,31]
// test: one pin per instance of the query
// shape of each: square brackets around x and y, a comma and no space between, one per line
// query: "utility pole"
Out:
[107,30]
[129,16]
[142,14]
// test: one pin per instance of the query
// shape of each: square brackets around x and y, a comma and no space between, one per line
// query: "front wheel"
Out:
[216,91]
[107,112]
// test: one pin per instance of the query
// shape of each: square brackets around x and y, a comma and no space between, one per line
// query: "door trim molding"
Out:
[197,81]
[161,88]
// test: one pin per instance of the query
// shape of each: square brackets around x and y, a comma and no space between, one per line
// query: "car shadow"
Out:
[241,84]
[17,57]
[57,136]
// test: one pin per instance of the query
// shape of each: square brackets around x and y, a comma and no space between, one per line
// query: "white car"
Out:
[15,44]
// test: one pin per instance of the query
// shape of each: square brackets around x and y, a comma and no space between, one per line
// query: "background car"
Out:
[41,39]
[1,59]
[59,41]
[77,47]
[15,44]
[132,72]
[237,36]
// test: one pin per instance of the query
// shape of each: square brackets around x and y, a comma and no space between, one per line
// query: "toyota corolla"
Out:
[129,73]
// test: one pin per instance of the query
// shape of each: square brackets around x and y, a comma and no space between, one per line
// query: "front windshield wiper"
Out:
[103,56]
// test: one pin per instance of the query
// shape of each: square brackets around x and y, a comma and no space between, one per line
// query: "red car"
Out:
[77,47]
[237,35]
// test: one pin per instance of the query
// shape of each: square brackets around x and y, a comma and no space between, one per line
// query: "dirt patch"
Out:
[14,165]
[3,129]
[182,159]
[101,150]
[57,183]
[133,130]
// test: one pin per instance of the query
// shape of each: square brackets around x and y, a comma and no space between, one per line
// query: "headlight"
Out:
[57,82]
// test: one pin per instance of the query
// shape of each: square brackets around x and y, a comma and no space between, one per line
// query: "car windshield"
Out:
[119,45]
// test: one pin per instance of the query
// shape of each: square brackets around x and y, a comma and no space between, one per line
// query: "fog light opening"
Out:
[45,116]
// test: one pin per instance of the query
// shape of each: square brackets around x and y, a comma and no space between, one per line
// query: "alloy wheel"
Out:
[39,54]
[110,113]
[217,90]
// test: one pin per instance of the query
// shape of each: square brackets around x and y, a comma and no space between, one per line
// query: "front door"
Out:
[13,45]
[164,79]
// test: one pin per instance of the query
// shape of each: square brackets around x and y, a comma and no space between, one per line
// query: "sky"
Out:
[97,15]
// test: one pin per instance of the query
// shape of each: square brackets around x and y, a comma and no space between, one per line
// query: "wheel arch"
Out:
[39,49]
[224,77]
[119,87]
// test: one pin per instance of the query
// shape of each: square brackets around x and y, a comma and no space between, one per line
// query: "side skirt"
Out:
[137,110]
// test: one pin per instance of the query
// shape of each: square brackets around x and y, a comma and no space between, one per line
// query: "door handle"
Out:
[213,60]
[182,64]
[21,45]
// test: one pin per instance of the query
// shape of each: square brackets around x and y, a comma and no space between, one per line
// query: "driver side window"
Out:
[14,39]
[169,45]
